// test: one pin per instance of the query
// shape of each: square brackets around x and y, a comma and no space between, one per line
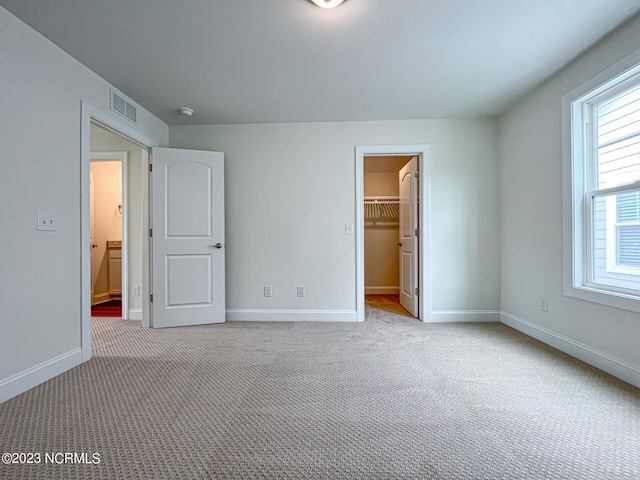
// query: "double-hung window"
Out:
[602,187]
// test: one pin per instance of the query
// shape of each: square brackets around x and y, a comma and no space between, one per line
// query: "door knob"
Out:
[399,244]
[217,245]
[93,245]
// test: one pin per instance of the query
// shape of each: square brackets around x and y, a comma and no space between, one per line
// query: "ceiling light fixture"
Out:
[186,111]
[327,3]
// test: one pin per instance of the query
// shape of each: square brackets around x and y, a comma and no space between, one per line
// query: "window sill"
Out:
[604,297]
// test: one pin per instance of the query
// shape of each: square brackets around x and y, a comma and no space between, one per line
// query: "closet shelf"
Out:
[382,207]
[382,199]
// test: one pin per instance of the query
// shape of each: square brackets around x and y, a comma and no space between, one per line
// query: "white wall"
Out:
[290,190]
[380,183]
[531,219]
[40,94]
[103,141]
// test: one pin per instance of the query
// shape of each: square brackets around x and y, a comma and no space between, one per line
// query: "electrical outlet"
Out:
[348,228]
[300,291]
[135,290]
[543,303]
[267,290]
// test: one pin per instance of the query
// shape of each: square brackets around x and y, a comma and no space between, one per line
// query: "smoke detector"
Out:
[186,111]
[327,3]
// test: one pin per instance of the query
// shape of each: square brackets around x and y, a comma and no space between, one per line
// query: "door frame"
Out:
[423,152]
[90,114]
[123,158]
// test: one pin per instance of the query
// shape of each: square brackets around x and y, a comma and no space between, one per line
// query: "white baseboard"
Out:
[452,316]
[101,298]
[135,314]
[601,360]
[31,377]
[376,290]
[254,315]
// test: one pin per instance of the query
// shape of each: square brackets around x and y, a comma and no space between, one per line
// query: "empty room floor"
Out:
[379,399]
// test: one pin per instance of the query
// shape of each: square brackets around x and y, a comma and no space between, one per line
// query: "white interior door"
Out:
[92,228]
[408,238]
[188,257]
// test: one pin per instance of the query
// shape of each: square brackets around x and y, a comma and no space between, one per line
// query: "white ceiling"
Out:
[247,61]
[385,164]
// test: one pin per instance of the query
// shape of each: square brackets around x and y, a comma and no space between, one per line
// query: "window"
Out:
[602,187]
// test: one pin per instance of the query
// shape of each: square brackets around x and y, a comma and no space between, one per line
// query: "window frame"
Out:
[577,186]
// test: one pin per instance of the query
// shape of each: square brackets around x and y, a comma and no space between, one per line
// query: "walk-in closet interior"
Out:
[381,229]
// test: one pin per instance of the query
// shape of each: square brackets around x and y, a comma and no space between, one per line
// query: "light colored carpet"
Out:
[388,398]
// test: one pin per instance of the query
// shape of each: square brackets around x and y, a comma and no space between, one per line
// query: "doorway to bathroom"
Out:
[117,174]
[108,232]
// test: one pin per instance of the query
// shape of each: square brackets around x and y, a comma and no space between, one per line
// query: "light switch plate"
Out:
[348,228]
[47,222]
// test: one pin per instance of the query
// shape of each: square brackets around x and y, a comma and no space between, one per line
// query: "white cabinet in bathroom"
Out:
[114,247]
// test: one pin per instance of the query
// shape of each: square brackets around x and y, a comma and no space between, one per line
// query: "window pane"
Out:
[616,240]
[618,148]
[629,245]
[628,207]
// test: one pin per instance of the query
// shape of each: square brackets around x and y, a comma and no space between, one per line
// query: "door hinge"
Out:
[417,291]
[151,298]
[417,232]
[151,232]
[151,167]
[417,174]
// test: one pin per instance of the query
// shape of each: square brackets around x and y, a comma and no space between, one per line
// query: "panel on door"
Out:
[408,238]
[188,261]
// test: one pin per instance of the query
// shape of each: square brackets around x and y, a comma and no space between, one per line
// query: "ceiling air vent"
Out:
[119,104]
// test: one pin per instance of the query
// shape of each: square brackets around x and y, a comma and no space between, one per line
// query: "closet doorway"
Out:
[391,251]
[410,239]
